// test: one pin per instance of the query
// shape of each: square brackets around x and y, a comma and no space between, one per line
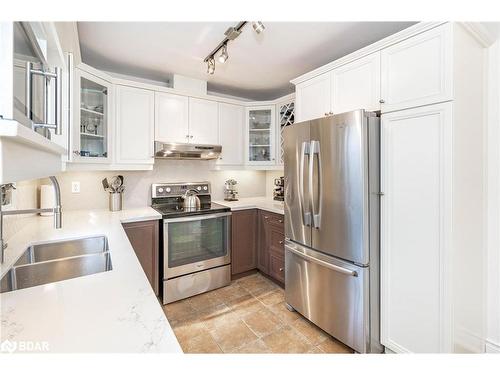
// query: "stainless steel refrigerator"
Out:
[332,203]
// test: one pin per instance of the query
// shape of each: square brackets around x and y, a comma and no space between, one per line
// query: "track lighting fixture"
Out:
[258,26]
[231,34]
[223,54]
[211,65]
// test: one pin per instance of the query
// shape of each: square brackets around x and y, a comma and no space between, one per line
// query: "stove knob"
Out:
[168,190]
[160,190]
[199,188]
[205,188]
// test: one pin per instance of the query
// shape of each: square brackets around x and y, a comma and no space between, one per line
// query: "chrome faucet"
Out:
[57,210]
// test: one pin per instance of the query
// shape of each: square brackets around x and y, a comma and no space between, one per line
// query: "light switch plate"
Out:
[75,186]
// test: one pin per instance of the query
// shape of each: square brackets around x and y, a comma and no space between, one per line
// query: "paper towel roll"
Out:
[47,199]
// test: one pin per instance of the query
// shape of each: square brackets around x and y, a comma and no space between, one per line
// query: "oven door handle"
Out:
[196,218]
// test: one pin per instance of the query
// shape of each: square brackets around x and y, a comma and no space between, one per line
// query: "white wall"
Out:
[138,183]
[493,206]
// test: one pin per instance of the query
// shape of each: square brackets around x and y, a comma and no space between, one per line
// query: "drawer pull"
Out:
[280,221]
[281,269]
[333,267]
[281,242]
[266,217]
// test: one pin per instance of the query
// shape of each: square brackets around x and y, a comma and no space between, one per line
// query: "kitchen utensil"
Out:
[121,179]
[115,183]
[105,184]
[191,200]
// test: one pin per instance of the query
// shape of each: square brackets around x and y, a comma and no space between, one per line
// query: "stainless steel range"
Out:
[196,239]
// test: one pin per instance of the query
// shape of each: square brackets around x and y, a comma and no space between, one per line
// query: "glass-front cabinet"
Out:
[92,118]
[260,135]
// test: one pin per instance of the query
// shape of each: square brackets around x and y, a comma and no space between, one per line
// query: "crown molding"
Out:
[478,31]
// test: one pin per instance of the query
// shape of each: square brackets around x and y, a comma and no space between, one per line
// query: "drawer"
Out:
[274,219]
[277,241]
[277,267]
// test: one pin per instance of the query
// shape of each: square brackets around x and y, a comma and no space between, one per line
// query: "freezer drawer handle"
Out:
[322,263]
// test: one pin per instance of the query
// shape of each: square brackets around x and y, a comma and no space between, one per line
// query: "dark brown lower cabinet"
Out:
[258,241]
[144,237]
[243,244]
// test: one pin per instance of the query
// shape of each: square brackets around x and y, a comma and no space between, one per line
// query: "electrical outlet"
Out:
[75,186]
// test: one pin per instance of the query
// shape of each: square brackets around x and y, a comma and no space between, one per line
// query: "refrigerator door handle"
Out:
[316,152]
[330,266]
[306,216]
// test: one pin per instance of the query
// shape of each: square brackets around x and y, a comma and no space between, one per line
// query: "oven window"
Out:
[195,241]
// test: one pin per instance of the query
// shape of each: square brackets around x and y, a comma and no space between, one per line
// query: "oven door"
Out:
[195,243]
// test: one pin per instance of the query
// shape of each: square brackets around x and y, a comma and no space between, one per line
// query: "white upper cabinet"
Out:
[416,229]
[203,121]
[356,85]
[313,98]
[231,134]
[171,118]
[134,125]
[418,71]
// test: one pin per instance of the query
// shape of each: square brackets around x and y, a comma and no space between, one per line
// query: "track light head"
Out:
[258,26]
[223,54]
[211,65]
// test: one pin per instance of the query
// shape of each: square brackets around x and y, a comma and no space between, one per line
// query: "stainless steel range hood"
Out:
[187,151]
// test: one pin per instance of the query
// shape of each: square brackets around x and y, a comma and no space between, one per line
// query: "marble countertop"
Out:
[114,311]
[263,203]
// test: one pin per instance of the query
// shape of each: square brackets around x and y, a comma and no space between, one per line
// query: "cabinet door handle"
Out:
[281,269]
[190,136]
[281,242]
[187,135]
[280,221]
[266,217]
[381,101]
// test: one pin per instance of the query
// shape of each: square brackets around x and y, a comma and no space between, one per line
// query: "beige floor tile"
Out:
[188,330]
[331,345]
[204,300]
[215,316]
[272,298]
[287,340]
[260,287]
[202,343]
[283,313]
[262,322]
[314,334]
[232,335]
[255,347]
[177,310]
[231,292]
[245,305]
[315,350]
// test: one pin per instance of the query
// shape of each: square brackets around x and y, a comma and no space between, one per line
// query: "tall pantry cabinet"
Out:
[431,102]
[432,207]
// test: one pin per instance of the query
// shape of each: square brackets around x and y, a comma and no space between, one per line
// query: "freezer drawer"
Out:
[331,293]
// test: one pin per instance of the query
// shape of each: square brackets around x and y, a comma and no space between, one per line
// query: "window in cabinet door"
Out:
[260,125]
[93,124]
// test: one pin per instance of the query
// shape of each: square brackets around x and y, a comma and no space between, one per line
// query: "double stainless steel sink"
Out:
[57,261]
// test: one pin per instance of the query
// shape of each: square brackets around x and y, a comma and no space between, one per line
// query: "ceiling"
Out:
[259,67]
